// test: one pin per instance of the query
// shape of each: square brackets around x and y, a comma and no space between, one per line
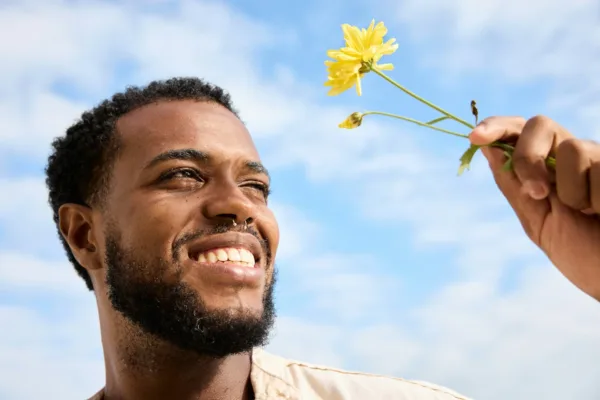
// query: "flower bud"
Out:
[353,121]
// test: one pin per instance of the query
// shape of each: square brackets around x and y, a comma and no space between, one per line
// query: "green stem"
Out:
[550,161]
[503,146]
[414,121]
[419,98]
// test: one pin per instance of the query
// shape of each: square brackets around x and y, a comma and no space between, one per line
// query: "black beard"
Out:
[173,311]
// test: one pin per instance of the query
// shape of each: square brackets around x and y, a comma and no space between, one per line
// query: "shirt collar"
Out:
[268,375]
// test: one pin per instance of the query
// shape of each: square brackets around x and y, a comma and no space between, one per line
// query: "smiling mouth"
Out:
[226,256]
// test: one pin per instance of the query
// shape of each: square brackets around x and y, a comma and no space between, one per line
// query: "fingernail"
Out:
[477,135]
[535,189]
[481,127]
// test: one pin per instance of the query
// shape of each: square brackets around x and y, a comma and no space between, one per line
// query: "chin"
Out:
[238,303]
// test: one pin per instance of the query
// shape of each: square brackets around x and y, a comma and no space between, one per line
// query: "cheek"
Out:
[271,229]
[151,226]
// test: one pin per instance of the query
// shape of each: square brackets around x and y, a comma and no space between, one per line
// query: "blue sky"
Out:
[389,262]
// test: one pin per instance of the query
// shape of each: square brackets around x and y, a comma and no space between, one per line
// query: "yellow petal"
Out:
[388,47]
[358,86]
[386,67]
[352,36]
[378,33]
[349,51]
[334,91]
[340,85]
[344,54]
[363,45]
[343,70]
[369,53]
[353,121]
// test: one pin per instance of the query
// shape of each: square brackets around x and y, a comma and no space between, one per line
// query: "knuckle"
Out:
[550,127]
[529,166]
[572,147]
[520,121]
[527,161]
[576,203]
[575,200]
[522,156]
[539,120]
[589,146]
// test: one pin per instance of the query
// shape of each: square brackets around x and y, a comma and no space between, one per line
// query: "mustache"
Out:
[219,229]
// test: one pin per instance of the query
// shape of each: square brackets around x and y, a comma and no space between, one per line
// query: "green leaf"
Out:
[435,121]
[508,165]
[466,158]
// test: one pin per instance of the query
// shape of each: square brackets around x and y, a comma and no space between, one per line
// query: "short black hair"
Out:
[80,164]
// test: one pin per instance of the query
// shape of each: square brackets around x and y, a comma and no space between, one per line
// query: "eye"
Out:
[180,173]
[263,188]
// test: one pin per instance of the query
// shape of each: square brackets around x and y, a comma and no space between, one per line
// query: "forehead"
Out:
[167,125]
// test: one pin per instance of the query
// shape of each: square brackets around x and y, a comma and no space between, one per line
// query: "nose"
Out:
[227,203]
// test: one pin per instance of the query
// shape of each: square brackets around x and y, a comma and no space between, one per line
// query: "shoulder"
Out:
[317,381]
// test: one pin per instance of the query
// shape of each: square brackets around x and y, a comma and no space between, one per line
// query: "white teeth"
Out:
[233,255]
[246,256]
[211,257]
[221,255]
[238,256]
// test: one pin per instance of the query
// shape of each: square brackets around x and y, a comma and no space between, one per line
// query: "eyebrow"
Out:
[257,168]
[181,154]
[195,155]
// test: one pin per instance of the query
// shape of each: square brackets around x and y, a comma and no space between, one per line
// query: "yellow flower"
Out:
[364,48]
[353,121]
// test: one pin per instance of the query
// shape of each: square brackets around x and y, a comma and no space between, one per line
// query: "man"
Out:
[161,202]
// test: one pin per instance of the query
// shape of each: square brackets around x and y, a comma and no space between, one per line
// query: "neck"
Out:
[142,367]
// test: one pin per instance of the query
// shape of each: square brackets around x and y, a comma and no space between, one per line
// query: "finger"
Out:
[495,158]
[530,212]
[595,186]
[539,138]
[506,181]
[496,128]
[573,173]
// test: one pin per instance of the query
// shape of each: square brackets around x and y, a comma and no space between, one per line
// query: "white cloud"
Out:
[31,126]
[50,356]
[349,286]
[206,39]
[556,42]
[26,219]
[539,341]
[467,213]
[298,234]
[294,338]
[532,343]
[19,271]
[519,40]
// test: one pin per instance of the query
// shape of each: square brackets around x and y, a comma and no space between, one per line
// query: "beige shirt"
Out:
[277,378]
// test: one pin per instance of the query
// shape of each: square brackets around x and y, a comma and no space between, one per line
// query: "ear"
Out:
[76,227]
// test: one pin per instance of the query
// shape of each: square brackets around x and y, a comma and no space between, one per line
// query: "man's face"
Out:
[189,239]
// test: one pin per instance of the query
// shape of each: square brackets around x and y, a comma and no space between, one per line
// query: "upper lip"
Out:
[230,239]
